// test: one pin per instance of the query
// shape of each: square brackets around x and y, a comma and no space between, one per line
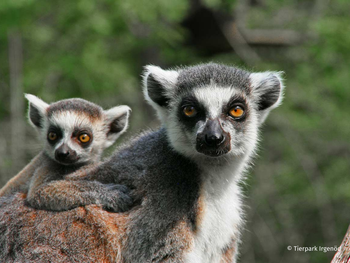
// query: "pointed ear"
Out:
[158,85]
[37,111]
[116,120]
[267,89]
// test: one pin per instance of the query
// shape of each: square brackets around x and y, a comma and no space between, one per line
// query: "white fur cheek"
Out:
[183,141]
[98,144]
[252,131]
[50,151]
[244,142]
[162,113]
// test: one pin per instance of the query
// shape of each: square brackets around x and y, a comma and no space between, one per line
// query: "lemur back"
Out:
[185,176]
[74,133]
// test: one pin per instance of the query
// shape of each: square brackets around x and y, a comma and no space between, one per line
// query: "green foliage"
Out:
[90,46]
[307,141]
[299,188]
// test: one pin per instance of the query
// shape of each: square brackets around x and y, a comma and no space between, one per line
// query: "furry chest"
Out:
[218,226]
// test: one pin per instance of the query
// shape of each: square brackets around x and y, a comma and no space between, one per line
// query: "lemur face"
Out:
[216,126]
[76,131]
[212,110]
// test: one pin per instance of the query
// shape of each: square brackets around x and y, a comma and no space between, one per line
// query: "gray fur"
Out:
[69,118]
[114,198]
[173,185]
[206,74]
[76,105]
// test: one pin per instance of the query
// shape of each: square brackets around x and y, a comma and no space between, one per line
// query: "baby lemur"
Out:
[185,176]
[75,132]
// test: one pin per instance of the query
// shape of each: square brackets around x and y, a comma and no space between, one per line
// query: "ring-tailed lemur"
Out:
[185,176]
[75,132]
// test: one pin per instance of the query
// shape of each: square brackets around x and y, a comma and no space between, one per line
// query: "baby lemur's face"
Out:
[76,131]
[212,110]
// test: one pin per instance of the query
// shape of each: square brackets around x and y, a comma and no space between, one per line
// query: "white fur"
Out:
[39,104]
[219,96]
[259,78]
[167,78]
[222,215]
[110,116]
[68,121]
[184,141]
[261,82]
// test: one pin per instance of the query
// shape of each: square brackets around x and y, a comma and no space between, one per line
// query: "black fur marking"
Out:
[272,89]
[35,116]
[118,124]
[58,132]
[190,122]
[76,105]
[213,147]
[236,100]
[221,75]
[79,131]
[269,98]
[156,91]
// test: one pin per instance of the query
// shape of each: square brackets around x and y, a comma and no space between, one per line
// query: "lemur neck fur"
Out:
[218,172]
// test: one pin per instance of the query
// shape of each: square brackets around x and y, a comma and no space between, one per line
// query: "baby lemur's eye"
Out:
[190,111]
[84,138]
[236,112]
[52,136]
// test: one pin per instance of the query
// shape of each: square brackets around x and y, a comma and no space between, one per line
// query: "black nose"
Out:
[213,133]
[65,154]
[214,139]
[61,154]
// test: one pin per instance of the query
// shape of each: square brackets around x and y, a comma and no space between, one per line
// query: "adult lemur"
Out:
[74,133]
[185,176]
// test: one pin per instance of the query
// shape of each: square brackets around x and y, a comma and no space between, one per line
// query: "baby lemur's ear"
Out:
[158,85]
[37,111]
[116,120]
[267,90]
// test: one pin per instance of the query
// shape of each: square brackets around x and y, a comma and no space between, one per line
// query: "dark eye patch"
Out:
[58,132]
[236,101]
[190,122]
[79,131]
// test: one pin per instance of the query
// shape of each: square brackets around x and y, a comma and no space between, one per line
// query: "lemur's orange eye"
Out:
[237,112]
[84,137]
[52,136]
[190,111]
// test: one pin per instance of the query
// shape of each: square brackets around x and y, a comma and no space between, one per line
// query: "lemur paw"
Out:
[117,199]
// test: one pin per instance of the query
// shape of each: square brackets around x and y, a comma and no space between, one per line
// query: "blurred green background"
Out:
[298,193]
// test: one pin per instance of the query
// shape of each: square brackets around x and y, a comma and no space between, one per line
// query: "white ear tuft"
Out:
[267,89]
[37,110]
[165,77]
[38,103]
[116,119]
[158,85]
